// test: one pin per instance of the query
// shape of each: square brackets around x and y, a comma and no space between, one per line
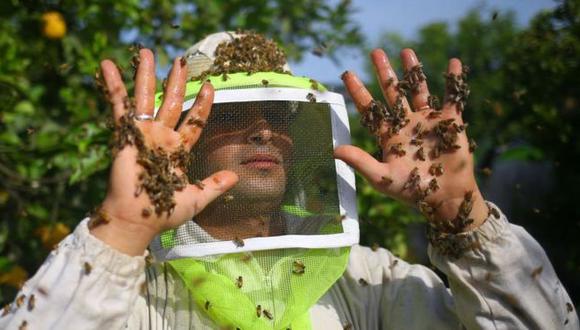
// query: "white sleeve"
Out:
[83,284]
[505,281]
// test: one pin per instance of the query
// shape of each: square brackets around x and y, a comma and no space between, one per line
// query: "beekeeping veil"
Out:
[262,254]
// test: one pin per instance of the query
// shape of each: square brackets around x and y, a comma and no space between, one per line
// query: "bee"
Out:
[228,198]
[434,114]
[240,282]
[414,179]
[259,310]
[537,271]
[146,212]
[433,102]
[494,15]
[416,141]
[347,326]
[569,307]
[420,154]
[536,210]
[363,282]
[387,181]
[265,82]
[20,300]
[196,121]
[394,264]
[488,277]
[207,305]
[225,76]
[6,309]
[298,267]
[238,242]
[31,302]
[175,26]
[267,314]
[339,218]
[311,98]
[23,325]
[397,149]
[486,171]
[320,50]
[433,185]
[199,184]
[246,257]
[375,247]
[472,145]
[87,267]
[436,169]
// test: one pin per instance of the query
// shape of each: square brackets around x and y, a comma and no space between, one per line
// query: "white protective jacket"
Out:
[507,283]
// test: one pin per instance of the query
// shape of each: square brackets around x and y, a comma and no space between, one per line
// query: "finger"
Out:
[387,78]
[361,161]
[356,89]
[173,95]
[198,196]
[117,92]
[192,126]
[145,83]
[419,89]
[454,67]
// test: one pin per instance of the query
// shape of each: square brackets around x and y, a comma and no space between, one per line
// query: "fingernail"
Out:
[344,74]
[182,61]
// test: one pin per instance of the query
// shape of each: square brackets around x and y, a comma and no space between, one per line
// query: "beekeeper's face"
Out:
[252,140]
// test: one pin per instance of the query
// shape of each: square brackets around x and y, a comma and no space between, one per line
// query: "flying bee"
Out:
[298,267]
[363,282]
[207,305]
[20,300]
[311,98]
[265,82]
[486,171]
[259,310]
[87,268]
[225,76]
[494,212]
[347,326]
[394,264]
[375,247]
[23,325]
[238,242]
[240,282]
[31,302]
[267,314]
[228,198]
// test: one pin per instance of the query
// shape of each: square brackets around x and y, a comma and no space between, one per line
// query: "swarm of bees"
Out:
[457,88]
[414,77]
[249,53]
[159,178]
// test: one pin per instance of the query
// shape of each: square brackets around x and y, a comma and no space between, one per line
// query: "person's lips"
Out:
[261,161]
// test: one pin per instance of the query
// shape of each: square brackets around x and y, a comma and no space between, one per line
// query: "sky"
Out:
[406,17]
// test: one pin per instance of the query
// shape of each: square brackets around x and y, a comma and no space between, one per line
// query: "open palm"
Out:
[426,156]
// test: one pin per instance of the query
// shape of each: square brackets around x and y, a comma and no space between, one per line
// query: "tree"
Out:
[53,139]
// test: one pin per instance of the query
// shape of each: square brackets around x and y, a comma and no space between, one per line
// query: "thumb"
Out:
[370,168]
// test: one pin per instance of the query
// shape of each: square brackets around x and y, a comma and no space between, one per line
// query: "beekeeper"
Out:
[238,183]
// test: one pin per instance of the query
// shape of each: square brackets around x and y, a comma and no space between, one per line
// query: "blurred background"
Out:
[523,110]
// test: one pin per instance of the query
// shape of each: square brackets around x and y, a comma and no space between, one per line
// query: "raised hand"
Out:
[427,158]
[148,190]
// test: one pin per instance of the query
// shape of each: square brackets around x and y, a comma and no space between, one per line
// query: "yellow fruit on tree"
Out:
[53,25]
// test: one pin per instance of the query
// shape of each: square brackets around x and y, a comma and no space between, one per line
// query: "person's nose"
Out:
[261,133]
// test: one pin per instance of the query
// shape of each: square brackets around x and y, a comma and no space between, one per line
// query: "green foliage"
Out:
[53,141]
